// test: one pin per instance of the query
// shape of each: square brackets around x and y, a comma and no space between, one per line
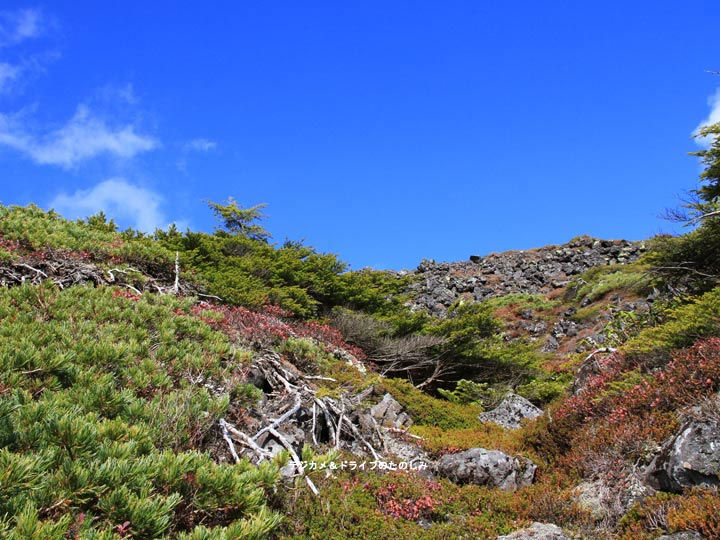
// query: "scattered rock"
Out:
[533,271]
[551,345]
[389,413]
[487,468]
[511,411]
[690,458]
[593,497]
[685,535]
[603,502]
[537,531]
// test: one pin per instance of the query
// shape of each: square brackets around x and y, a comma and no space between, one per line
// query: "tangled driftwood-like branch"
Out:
[295,404]
[65,268]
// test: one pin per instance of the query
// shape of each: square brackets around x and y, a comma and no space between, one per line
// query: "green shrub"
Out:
[521,301]
[599,281]
[106,412]
[699,318]
[427,410]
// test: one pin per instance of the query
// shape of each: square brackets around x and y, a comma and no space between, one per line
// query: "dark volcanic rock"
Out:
[487,468]
[532,271]
[511,411]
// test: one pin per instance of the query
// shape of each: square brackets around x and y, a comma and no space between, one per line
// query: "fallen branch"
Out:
[328,417]
[296,459]
[247,441]
[296,407]
[354,430]
[314,420]
[39,272]
[228,440]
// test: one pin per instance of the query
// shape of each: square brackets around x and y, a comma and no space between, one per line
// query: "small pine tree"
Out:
[239,220]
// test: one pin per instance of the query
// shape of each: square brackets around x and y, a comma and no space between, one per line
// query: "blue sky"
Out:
[385,132]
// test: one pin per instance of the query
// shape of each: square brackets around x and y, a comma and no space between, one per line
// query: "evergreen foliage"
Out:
[691,260]
[105,415]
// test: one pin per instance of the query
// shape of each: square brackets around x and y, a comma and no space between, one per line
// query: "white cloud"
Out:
[8,75]
[119,199]
[201,145]
[17,26]
[713,118]
[83,137]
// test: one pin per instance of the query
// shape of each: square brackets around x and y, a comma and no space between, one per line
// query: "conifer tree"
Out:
[241,221]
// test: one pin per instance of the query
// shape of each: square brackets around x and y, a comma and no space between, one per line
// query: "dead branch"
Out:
[296,459]
[39,272]
[339,424]
[328,417]
[228,440]
[314,423]
[353,428]
[177,272]
[245,440]
[295,408]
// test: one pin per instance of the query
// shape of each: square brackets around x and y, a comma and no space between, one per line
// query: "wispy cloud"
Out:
[15,28]
[201,145]
[8,75]
[712,118]
[83,137]
[119,199]
[20,25]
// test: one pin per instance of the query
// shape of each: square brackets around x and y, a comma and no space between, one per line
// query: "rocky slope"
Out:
[535,271]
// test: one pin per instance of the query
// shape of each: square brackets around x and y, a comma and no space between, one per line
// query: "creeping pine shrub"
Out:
[399,506]
[685,324]
[598,281]
[105,419]
[32,230]
[521,301]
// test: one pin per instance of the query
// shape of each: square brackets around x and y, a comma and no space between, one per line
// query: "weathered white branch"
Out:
[328,417]
[247,441]
[296,407]
[177,272]
[39,272]
[228,440]
[295,458]
[314,423]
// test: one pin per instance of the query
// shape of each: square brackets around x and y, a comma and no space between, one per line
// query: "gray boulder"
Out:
[537,531]
[389,413]
[685,535]
[510,413]
[690,458]
[487,468]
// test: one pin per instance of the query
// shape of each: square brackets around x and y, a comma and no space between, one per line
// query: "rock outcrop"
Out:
[487,468]
[690,458]
[389,413]
[537,531]
[511,412]
[533,271]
